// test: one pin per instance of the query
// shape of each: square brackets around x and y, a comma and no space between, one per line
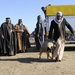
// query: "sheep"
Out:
[47,47]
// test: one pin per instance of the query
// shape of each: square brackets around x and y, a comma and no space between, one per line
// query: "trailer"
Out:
[67,10]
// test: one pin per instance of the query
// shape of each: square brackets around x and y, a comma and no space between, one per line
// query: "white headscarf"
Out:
[58,14]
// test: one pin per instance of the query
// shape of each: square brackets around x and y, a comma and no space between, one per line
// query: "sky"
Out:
[27,10]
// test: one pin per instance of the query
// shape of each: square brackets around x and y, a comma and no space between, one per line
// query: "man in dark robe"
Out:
[26,38]
[9,38]
[38,33]
[1,37]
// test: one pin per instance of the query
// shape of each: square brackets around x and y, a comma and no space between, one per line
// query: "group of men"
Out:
[13,39]
[57,33]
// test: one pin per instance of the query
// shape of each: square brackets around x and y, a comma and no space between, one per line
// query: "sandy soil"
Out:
[29,64]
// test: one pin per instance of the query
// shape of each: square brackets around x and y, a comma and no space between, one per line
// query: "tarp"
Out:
[67,10]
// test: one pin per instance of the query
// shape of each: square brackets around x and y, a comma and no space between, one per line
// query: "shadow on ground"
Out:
[29,60]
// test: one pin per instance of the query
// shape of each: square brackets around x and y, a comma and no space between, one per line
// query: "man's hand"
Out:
[22,30]
[38,35]
[11,31]
[2,37]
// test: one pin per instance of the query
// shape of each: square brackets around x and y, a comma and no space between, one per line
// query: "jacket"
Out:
[54,28]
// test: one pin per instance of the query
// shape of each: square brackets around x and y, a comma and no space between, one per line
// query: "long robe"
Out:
[27,35]
[1,50]
[38,31]
[9,47]
[19,42]
[22,38]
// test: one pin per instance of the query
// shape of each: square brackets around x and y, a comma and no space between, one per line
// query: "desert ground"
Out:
[29,63]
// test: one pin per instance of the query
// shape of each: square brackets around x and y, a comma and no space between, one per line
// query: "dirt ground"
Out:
[29,64]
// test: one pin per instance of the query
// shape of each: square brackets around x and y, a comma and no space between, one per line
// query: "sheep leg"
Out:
[48,55]
[40,55]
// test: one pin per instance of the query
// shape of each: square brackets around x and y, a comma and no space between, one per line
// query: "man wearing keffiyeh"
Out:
[58,26]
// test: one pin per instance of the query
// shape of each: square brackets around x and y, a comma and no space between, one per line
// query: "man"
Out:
[1,37]
[44,10]
[27,35]
[38,33]
[47,20]
[58,27]
[21,36]
[8,41]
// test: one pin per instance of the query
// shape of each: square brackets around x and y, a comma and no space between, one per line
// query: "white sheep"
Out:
[46,47]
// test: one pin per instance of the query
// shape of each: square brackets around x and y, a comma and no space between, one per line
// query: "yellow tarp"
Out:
[67,10]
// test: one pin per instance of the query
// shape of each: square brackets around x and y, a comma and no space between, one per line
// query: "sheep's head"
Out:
[49,46]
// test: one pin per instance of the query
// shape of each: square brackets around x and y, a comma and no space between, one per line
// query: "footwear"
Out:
[56,58]
[59,60]
[26,50]
[23,51]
